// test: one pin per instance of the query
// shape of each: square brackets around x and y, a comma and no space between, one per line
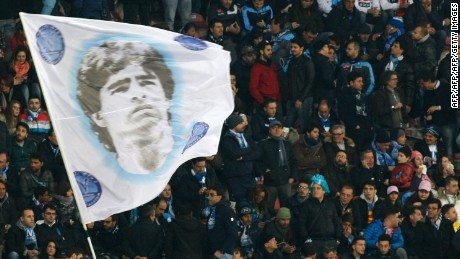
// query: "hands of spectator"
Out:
[239,158]
[286,9]
[433,109]
[295,25]
[428,117]
[446,22]
[288,249]
[19,80]
[291,180]
[391,167]
[365,57]
[431,30]
[365,164]
[376,36]
[386,182]
[32,253]
[408,108]
[202,190]
[398,105]
[218,254]
[261,24]
[234,28]
[298,104]
[357,127]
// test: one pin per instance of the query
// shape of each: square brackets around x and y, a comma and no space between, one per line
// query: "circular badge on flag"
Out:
[191,43]
[89,186]
[50,44]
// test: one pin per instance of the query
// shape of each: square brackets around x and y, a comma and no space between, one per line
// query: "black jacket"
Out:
[324,77]
[186,238]
[311,158]
[52,160]
[110,241]
[231,152]
[406,79]
[259,126]
[337,177]
[145,238]
[415,14]
[423,148]
[224,235]
[408,232]
[382,110]
[188,188]
[349,114]
[8,210]
[338,21]
[54,232]
[301,75]
[353,208]
[268,164]
[432,243]
[425,56]
[319,220]
[440,96]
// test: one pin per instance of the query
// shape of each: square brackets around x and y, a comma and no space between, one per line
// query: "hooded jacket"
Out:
[186,238]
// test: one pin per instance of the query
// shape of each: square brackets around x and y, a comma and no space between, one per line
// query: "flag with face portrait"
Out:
[129,105]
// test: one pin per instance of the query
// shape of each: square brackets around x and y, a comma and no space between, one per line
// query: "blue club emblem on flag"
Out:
[89,186]
[199,130]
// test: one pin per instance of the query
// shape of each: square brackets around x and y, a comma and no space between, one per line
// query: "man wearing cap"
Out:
[434,236]
[318,222]
[300,78]
[242,70]
[437,108]
[431,147]
[238,153]
[248,231]
[380,146]
[281,229]
[264,79]
[362,36]
[278,165]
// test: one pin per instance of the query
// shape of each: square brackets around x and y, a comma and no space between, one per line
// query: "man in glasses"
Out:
[50,229]
[339,141]
[295,201]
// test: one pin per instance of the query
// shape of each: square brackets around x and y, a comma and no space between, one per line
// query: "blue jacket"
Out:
[376,229]
[362,67]
[251,16]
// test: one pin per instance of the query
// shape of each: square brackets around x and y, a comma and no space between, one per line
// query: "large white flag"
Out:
[129,104]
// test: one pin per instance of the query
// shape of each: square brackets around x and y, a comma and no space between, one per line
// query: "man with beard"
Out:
[261,120]
[35,176]
[264,79]
[309,151]
[216,35]
[248,231]
[295,201]
[338,174]
[283,233]
[238,154]
[22,148]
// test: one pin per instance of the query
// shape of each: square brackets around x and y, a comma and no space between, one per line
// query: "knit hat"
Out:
[382,137]
[433,130]
[244,210]
[396,22]
[415,154]
[319,179]
[283,213]
[275,122]
[396,133]
[364,29]
[391,189]
[406,151]
[425,185]
[233,120]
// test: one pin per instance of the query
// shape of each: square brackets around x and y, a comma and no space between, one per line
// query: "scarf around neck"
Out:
[282,161]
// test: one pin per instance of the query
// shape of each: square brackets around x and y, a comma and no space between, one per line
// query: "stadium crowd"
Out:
[342,143]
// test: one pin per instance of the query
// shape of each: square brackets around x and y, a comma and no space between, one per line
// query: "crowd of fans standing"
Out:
[321,157]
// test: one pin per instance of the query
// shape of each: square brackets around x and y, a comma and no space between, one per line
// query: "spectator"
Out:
[145,238]
[8,177]
[449,194]
[264,79]
[367,204]
[222,229]
[278,165]
[389,224]
[216,35]
[309,152]
[305,13]
[325,118]
[421,197]
[413,215]
[50,250]
[300,78]
[444,170]
[388,108]
[24,74]
[8,210]
[384,250]
[261,120]
[258,200]
[257,16]
[344,19]
[338,174]
[295,201]
[186,235]
[227,12]
[366,171]
[35,176]
[346,205]
[354,110]
[402,174]
[13,116]
[40,197]
[50,229]
[248,231]
[324,85]
[10,96]
[242,70]
[420,173]
[371,13]
[309,35]
[359,248]
[431,147]
[434,236]
[65,204]
[21,239]
[280,40]
[338,141]
[398,140]
[284,234]
[437,108]
[193,186]
[349,233]
[270,249]
[391,201]
[448,211]
[318,221]
[52,157]
[238,154]
[37,119]
[425,50]
[380,146]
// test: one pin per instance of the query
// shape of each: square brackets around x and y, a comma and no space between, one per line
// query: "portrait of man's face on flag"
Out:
[125,89]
